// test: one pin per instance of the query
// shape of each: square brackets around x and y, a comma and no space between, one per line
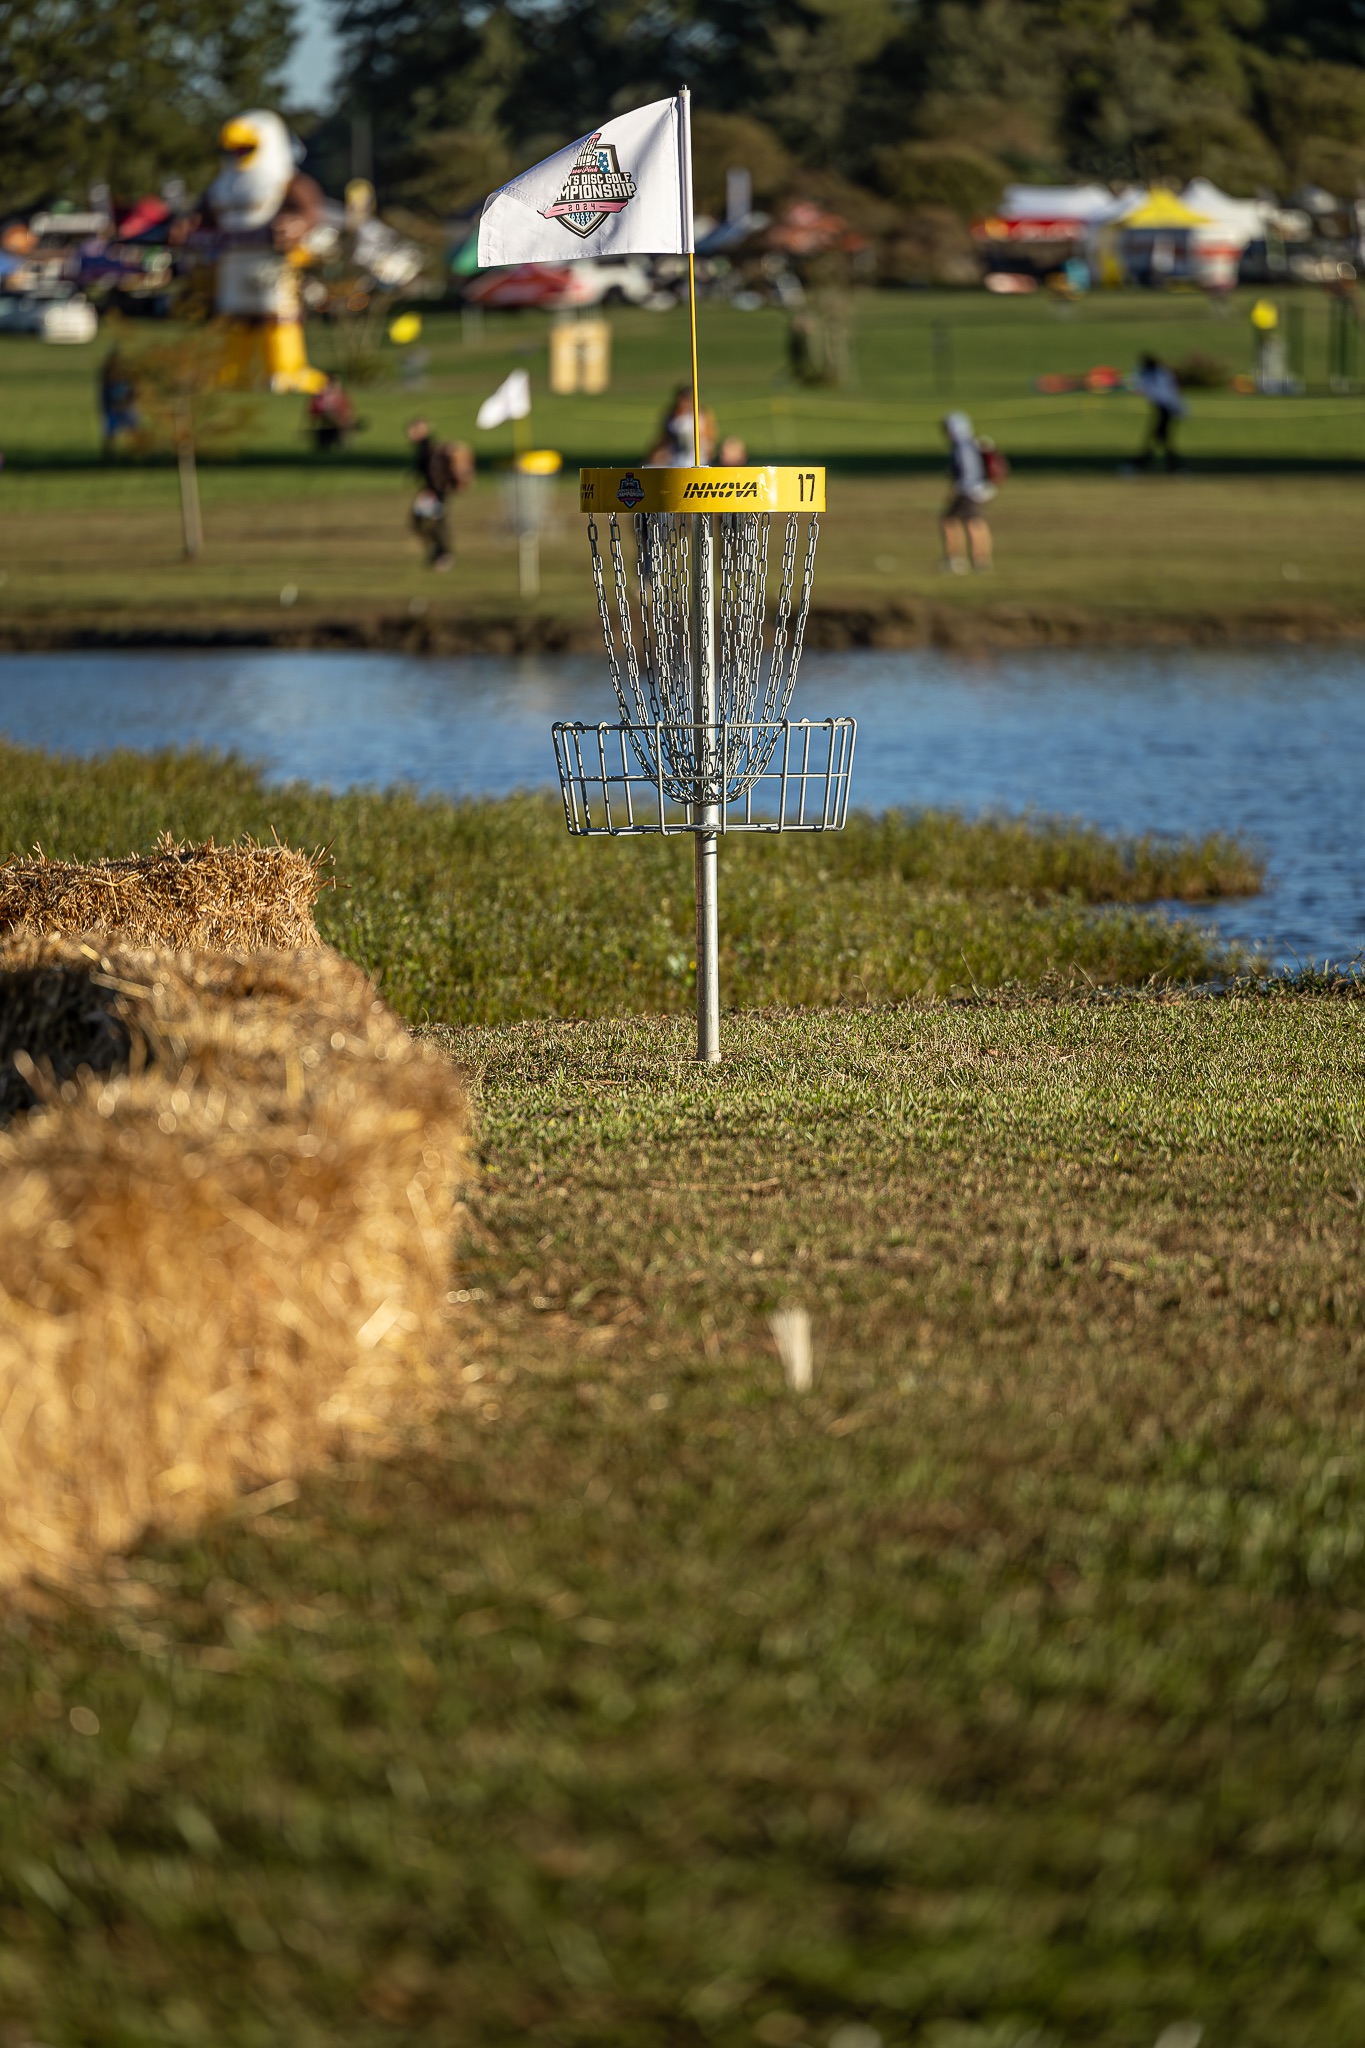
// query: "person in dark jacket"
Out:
[331,416]
[118,400]
[442,467]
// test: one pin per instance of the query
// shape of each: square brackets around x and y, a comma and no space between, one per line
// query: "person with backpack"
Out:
[1157,383]
[442,467]
[974,467]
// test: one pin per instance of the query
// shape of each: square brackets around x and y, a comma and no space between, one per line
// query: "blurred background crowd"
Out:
[901,142]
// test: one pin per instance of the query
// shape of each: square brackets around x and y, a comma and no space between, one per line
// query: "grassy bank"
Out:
[487,912]
[1005,1689]
[1086,558]
[1258,538]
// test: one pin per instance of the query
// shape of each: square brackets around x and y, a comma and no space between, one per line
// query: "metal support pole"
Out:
[191,518]
[707,842]
[528,562]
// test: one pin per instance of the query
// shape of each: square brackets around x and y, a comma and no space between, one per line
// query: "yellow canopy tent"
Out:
[1123,246]
[1162,209]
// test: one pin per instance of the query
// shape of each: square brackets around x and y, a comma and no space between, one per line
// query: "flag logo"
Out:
[631,490]
[594,188]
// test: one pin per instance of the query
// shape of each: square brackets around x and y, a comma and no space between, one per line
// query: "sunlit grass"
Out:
[1004,1688]
[485,912]
[1263,523]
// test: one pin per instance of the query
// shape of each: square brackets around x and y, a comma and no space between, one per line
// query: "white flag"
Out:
[624,190]
[511,401]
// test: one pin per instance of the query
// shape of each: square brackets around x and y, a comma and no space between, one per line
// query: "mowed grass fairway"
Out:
[1004,1689]
[1007,1688]
[1261,529]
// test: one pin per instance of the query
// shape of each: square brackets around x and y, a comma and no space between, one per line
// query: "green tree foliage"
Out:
[948,174]
[1251,93]
[127,92]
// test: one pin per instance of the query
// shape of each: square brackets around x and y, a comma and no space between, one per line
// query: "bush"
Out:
[1201,372]
[943,174]
[723,141]
[932,247]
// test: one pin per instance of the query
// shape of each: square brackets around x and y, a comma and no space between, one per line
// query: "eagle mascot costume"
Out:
[266,216]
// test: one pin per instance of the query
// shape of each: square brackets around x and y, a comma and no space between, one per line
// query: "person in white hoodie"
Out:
[1156,382]
[966,536]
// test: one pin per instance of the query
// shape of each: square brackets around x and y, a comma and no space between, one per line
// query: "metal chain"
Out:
[807,581]
[618,566]
[780,679]
[657,685]
[742,591]
[604,615]
[665,594]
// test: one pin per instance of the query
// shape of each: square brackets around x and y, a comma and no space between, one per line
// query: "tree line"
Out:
[912,102]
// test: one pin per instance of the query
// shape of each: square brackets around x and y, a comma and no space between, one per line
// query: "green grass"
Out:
[1005,1689]
[486,912]
[885,418]
[1266,520]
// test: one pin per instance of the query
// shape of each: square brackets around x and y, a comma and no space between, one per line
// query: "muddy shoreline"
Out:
[907,624]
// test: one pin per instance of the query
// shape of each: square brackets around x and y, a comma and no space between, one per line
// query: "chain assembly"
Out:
[653,678]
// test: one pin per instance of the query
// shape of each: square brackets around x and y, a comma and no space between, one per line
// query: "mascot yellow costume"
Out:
[264,213]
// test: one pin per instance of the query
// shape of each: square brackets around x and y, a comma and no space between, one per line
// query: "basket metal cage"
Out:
[779,775]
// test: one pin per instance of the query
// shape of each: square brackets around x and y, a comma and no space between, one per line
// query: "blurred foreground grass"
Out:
[1006,1689]
[486,912]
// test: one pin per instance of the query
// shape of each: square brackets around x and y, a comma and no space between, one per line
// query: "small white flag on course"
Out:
[511,401]
[624,190]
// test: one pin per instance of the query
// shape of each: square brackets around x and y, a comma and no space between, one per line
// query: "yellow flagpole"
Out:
[685,107]
[696,394]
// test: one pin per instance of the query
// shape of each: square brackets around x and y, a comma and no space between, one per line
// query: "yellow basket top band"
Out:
[765,489]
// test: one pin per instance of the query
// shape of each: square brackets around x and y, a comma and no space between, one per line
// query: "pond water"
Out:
[1269,743]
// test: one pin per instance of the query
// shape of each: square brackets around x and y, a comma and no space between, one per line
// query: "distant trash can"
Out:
[529,491]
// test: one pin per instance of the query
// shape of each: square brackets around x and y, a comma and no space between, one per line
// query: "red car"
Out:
[526,284]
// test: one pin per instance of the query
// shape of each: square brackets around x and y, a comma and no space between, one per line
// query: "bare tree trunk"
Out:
[191,522]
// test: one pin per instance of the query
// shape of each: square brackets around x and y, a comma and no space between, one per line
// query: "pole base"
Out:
[706,862]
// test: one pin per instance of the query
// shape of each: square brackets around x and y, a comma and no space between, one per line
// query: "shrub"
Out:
[948,174]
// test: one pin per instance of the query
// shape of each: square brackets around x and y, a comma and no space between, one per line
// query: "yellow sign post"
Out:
[580,357]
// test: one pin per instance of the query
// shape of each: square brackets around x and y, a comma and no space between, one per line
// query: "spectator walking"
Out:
[674,446]
[1156,382]
[442,467]
[966,535]
[118,400]
[331,415]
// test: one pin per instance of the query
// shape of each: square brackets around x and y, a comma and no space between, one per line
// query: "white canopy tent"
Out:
[1238,221]
[1056,202]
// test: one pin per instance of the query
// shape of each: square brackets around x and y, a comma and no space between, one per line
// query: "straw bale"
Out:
[59,1007]
[73,1003]
[225,1262]
[231,897]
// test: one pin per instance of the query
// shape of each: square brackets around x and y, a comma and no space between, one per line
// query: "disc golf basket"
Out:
[704,744]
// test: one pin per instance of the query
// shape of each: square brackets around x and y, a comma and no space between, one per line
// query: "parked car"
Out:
[625,282]
[60,316]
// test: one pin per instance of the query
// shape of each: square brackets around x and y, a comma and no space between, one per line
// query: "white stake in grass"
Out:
[791,1334]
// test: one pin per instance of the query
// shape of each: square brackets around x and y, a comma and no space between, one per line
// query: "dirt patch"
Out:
[906,623]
